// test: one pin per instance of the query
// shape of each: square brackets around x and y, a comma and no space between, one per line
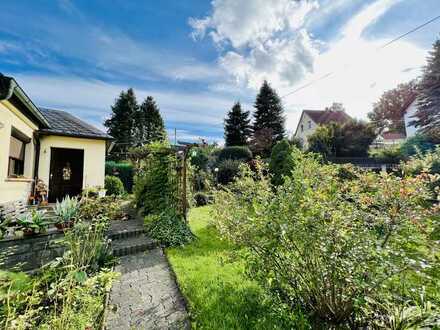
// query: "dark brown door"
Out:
[66,173]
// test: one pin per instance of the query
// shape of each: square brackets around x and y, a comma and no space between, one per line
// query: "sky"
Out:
[198,57]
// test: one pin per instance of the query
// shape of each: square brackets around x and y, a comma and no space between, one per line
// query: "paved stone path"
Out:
[146,295]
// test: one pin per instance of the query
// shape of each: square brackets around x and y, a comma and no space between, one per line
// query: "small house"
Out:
[311,119]
[51,146]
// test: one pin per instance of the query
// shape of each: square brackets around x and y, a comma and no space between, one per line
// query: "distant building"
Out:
[388,139]
[311,119]
[411,109]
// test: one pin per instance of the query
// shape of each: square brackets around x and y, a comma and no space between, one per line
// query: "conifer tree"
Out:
[121,123]
[237,126]
[149,125]
[269,112]
[427,116]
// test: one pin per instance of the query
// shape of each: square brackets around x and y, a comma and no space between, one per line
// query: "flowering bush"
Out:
[334,246]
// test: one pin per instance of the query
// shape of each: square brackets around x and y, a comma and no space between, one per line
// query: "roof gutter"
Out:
[14,88]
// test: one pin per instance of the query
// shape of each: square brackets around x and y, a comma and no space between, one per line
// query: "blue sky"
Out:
[198,57]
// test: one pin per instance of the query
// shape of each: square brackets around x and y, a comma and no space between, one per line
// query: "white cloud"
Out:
[260,41]
[266,39]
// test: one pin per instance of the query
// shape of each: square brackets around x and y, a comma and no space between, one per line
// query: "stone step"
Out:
[132,245]
[126,233]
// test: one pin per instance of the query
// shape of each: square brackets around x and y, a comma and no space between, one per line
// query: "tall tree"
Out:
[149,125]
[269,113]
[388,112]
[237,126]
[351,139]
[121,123]
[428,102]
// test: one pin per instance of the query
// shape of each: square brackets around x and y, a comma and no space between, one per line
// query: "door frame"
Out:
[51,183]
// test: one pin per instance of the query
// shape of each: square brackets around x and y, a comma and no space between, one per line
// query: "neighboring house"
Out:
[411,109]
[388,139]
[51,145]
[311,119]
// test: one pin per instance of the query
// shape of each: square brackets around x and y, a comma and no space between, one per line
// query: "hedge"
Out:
[123,171]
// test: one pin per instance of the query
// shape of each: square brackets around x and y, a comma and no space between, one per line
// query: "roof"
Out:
[10,90]
[393,136]
[63,123]
[323,117]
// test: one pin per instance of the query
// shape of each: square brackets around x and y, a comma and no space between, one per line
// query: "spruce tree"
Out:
[237,126]
[149,126]
[427,116]
[121,123]
[269,112]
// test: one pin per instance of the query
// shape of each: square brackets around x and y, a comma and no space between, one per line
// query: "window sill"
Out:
[11,179]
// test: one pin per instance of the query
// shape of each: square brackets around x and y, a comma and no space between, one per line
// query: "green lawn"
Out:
[219,294]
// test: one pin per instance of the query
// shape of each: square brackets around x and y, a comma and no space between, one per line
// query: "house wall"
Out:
[410,112]
[94,157]
[12,189]
[305,120]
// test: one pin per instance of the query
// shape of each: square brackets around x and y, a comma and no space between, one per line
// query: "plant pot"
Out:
[63,226]
[28,232]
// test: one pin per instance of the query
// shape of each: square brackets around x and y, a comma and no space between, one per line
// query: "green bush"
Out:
[228,170]
[113,185]
[387,155]
[235,153]
[123,170]
[415,144]
[156,183]
[336,248]
[201,199]
[168,228]
[281,162]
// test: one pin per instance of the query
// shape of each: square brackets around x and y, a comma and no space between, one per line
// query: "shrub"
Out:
[235,153]
[387,155]
[201,199]
[281,161]
[113,185]
[156,182]
[168,228]
[332,246]
[123,170]
[227,170]
[108,207]
[200,157]
[415,144]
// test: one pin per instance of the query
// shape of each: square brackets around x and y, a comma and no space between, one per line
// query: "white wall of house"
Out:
[306,127]
[94,157]
[15,188]
[410,112]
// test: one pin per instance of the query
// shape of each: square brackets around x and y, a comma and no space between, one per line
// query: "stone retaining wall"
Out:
[29,253]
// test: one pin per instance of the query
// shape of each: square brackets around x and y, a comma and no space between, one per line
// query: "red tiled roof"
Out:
[323,117]
[393,136]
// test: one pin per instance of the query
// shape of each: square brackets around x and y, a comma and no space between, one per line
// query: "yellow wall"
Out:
[94,157]
[10,188]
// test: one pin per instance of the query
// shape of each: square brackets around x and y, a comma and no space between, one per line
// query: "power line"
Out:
[378,49]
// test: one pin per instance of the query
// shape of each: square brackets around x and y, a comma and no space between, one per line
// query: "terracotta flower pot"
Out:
[63,226]
[28,232]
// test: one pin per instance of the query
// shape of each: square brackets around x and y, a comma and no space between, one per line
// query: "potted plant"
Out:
[66,211]
[101,191]
[34,222]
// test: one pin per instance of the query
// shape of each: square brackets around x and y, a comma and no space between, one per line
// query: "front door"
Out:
[66,173]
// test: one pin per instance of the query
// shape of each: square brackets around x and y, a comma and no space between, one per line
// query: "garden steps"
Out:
[128,237]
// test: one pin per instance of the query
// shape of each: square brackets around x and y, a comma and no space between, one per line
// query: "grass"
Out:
[219,294]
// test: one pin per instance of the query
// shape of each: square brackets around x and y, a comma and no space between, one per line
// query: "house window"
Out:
[310,124]
[302,128]
[17,148]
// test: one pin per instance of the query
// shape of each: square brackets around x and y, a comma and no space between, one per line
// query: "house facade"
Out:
[64,152]
[310,120]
